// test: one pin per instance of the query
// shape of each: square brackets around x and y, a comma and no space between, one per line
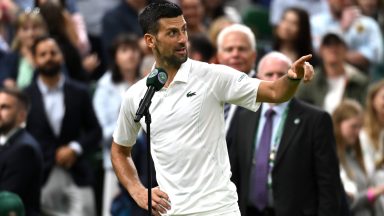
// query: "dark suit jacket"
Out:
[306,174]
[21,169]
[79,124]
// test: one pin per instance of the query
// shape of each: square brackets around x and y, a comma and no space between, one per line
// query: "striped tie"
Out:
[227,107]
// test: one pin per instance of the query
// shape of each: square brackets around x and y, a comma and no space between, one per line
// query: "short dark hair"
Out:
[21,97]
[38,40]
[148,19]
[331,38]
[200,43]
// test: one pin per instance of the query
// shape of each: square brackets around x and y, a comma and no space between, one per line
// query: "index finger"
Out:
[303,59]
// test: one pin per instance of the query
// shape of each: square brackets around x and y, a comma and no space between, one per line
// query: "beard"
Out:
[50,70]
[172,59]
[5,127]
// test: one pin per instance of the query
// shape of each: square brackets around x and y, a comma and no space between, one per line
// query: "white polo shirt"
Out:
[188,134]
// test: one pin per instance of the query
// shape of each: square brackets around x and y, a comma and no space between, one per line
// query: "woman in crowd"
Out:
[292,35]
[372,135]
[18,64]
[123,73]
[362,193]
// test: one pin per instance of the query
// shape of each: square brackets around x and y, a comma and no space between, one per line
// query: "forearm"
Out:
[357,59]
[277,91]
[125,169]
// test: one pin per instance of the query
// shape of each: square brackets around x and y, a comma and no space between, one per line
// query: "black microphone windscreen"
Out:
[157,78]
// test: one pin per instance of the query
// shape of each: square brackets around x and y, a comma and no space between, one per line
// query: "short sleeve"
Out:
[235,87]
[126,129]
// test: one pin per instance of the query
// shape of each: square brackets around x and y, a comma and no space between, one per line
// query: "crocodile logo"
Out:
[190,94]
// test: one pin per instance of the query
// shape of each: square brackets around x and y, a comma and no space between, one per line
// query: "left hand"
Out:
[301,69]
[65,156]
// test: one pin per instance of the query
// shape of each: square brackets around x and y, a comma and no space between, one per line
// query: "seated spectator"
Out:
[372,135]
[201,48]
[21,159]
[312,7]
[334,79]
[215,9]
[60,28]
[64,123]
[123,73]
[361,33]
[18,64]
[193,11]
[121,19]
[292,35]
[362,193]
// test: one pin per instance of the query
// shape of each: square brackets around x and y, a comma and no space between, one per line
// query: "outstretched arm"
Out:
[284,88]
[127,174]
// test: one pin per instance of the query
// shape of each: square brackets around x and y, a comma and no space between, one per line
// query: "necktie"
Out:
[259,174]
[227,107]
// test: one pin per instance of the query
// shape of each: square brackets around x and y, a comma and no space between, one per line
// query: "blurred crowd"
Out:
[75,59]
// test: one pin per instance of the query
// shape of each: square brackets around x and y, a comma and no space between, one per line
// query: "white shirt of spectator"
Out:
[335,93]
[54,105]
[363,35]
[188,134]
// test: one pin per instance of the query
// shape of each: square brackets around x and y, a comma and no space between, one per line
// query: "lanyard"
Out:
[275,144]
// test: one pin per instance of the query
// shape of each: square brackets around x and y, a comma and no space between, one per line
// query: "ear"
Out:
[149,40]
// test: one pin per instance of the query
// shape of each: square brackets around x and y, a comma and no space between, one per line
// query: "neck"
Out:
[51,82]
[170,69]
[334,70]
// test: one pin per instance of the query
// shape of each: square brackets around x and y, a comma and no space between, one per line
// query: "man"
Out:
[187,135]
[62,119]
[335,79]
[21,160]
[294,171]
[236,46]
[361,33]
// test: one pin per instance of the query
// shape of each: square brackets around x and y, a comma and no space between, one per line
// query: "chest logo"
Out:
[190,94]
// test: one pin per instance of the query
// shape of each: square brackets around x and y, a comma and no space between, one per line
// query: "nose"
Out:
[183,37]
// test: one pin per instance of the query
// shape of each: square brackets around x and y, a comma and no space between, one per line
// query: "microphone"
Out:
[155,81]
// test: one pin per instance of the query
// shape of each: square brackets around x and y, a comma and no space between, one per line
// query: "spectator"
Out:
[292,35]
[63,121]
[298,157]
[194,14]
[363,195]
[107,100]
[21,159]
[237,49]
[93,12]
[361,33]
[122,19]
[18,64]
[201,48]
[312,7]
[374,9]
[372,135]
[335,79]
[215,9]
[62,29]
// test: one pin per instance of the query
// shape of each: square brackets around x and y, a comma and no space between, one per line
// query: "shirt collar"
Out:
[5,137]
[279,108]
[45,89]
[183,72]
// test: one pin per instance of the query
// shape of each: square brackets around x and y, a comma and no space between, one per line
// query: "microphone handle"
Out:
[145,103]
